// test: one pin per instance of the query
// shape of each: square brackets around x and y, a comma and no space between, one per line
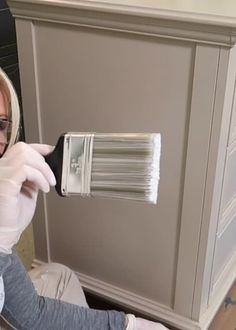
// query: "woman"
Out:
[23,172]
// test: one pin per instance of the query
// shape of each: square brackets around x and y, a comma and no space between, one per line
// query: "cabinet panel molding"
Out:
[228,200]
[233,122]
[225,248]
[30,96]
[213,187]
[203,96]
[133,19]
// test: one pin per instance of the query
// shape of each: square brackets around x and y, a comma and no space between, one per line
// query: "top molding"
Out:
[183,21]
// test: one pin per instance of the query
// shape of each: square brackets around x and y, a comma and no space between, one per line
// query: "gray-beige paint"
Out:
[106,68]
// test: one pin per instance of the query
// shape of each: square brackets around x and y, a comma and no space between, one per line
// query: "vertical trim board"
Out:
[203,94]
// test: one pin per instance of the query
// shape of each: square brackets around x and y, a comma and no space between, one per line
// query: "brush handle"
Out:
[55,162]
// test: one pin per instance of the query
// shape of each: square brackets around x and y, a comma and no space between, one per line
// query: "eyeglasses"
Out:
[5,130]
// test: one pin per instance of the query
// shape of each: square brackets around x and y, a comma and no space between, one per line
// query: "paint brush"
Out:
[111,165]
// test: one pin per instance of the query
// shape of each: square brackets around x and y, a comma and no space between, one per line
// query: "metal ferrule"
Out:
[77,164]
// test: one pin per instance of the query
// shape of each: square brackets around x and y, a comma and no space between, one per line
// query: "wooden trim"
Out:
[32,121]
[132,19]
[135,302]
[211,15]
[202,105]
[229,59]
[227,217]
[213,188]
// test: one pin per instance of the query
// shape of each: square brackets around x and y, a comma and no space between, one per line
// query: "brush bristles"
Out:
[126,166]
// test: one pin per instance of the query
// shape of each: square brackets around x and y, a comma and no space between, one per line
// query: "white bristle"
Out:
[126,166]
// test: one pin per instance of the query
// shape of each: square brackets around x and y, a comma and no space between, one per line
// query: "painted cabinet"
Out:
[132,66]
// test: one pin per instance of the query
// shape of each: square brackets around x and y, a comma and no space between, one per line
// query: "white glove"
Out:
[23,171]
[134,323]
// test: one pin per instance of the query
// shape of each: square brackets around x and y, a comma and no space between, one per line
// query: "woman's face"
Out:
[3,123]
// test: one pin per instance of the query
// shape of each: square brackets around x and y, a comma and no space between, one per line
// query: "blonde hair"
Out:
[11,99]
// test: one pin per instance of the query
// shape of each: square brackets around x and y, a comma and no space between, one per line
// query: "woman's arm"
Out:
[26,310]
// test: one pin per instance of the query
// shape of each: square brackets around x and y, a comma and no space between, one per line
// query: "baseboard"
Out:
[137,303]
[132,301]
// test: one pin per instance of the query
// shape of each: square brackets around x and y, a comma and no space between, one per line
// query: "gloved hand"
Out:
[142,324]
[134,323]
[23,171]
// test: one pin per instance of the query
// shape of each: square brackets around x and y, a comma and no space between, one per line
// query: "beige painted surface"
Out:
[116,91]
[111,72]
